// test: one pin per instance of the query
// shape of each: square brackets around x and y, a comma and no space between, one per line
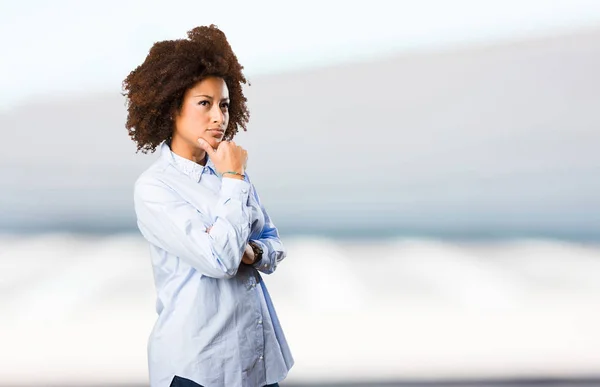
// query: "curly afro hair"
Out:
[155,89]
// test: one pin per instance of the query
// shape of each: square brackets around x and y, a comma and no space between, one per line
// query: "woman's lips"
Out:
[218,133]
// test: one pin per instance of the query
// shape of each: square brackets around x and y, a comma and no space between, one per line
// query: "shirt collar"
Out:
[188,167]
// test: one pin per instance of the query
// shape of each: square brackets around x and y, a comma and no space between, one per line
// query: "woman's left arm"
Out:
[270,243]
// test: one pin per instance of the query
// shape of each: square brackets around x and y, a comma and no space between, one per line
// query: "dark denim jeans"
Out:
[182,382]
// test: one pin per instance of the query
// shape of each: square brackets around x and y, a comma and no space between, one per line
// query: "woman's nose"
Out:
[217,115]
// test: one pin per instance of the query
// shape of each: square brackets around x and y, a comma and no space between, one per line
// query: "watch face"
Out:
[257,250]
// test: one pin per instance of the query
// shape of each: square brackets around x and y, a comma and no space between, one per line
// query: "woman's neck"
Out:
[186,150]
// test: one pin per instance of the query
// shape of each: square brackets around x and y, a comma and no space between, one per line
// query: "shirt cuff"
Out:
[235,188]
[264,262]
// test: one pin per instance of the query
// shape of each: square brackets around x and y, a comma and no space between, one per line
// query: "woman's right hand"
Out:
[227,157]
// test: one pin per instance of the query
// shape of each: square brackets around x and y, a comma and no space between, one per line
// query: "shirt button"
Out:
[260,321]
[265,265]
[260,358]
[244,190]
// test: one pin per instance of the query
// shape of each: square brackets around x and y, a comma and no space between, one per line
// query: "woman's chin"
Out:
[213,142]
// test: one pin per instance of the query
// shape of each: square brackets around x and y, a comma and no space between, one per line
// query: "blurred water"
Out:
[80,307]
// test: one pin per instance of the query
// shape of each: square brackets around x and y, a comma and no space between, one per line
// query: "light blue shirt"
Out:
[216,323]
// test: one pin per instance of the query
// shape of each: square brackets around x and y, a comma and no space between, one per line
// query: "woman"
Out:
[209,234]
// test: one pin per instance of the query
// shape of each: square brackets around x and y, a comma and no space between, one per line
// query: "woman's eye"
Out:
[225,105]
[204,103]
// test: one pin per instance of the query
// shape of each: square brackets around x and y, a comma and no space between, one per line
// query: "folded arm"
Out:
[174,225]
[270,243]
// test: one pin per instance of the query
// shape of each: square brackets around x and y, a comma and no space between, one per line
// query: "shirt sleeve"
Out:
[272,247]
[174,225]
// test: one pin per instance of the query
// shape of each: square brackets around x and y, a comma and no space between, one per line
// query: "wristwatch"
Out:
[258,251]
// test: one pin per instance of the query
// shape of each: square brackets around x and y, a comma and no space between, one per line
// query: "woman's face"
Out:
[204,113]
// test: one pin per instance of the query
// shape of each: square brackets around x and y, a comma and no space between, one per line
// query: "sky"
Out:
[64,47]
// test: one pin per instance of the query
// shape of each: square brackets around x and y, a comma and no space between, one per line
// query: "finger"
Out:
[206,146]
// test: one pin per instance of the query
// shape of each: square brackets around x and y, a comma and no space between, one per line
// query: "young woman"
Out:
[209,234]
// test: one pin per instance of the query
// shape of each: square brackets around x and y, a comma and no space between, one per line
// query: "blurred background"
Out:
[432,167]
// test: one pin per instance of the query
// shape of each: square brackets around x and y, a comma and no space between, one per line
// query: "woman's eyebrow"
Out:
[208,96]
